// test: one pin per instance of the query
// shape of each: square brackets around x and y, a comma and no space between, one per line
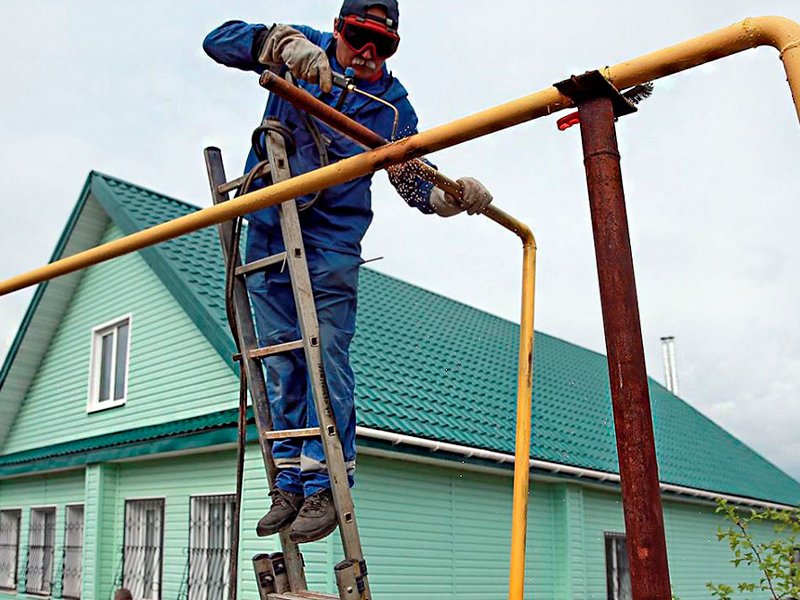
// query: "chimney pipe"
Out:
[670,365]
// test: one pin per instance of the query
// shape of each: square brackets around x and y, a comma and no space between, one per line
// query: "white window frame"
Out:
[612,541]
[15,545]
[158,574]
[94,403]
[199,540]
[70,539]
[41,592]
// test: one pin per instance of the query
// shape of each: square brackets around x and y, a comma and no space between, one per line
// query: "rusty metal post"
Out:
[641,495]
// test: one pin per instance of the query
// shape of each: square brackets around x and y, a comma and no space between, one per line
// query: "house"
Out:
[117,425]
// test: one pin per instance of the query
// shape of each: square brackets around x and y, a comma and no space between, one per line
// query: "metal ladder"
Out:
[281,576]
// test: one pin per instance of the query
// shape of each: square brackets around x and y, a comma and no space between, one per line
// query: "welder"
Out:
[333,222]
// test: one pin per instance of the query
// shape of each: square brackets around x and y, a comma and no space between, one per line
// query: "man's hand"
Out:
[475,198]
[306,61]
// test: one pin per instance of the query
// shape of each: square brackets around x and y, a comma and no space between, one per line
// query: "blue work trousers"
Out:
[334,280]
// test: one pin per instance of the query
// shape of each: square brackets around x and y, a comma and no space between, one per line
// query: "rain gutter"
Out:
[501,458]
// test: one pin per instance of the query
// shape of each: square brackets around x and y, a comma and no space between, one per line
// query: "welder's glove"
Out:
[306,60]
[475,198]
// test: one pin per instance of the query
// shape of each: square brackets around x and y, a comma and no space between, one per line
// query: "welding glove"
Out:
[307,61]
[475,198]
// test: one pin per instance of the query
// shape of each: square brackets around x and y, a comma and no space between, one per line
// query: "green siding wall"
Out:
[428,531]
[601,512]
[174,480]
[444,533]
[56,490]
[174,372]
[695,554]
[101,514]
[569,541]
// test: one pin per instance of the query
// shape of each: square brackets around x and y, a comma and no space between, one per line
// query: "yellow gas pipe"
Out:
[781,33]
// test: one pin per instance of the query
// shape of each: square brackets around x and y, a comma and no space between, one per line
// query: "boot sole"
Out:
[261,532]
[312,536]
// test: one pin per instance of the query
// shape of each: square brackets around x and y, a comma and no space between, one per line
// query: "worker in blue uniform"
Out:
[333,224]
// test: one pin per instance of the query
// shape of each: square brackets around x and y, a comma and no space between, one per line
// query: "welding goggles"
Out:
[360,33]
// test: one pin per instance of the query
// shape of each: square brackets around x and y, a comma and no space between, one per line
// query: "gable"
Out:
[174,372]
[83,230]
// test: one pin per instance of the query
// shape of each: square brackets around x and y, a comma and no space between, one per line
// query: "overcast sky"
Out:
[710,166]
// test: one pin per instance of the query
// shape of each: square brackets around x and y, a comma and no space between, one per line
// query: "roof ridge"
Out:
[744,445]
[106,176]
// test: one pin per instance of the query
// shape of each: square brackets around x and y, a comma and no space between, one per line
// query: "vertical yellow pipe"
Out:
[519,517]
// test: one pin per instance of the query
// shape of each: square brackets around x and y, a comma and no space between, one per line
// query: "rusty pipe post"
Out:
[641,495]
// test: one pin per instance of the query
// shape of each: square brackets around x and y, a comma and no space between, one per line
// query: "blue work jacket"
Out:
[340,218]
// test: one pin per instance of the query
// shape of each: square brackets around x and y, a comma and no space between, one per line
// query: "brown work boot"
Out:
[284,509]
[316,520]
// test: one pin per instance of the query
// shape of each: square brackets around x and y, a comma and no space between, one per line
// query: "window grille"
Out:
[109,369]
[210,532]
[143,548]
[618,571]
[41,544]
[71,575]
[9,548]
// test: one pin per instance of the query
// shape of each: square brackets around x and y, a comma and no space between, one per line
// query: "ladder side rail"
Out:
[309,326]
[253,369]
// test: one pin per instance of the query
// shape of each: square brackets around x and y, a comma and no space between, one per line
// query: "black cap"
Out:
[359,8]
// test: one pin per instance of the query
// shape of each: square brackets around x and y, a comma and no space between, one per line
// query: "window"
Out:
[108,376]
[142,549]
[73,553]
[618,572]
[210,532]
[41,543]
[9,548]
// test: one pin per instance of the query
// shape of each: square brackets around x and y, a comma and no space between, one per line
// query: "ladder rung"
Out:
[235,184]
[292,433]
[301,596]
[262,263]
[276,349]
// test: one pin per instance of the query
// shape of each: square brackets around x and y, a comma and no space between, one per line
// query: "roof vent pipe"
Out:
[670,365]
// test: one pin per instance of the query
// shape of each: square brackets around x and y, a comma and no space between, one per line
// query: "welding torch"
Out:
[362,135]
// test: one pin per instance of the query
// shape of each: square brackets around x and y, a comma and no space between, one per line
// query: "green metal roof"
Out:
[431,367]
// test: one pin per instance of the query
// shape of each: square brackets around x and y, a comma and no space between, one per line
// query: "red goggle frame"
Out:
[359,34]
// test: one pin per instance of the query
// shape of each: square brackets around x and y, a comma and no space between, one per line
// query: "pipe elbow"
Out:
[779,32]
[526,235]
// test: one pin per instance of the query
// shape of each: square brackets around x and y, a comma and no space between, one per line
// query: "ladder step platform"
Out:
[235,184]
[263,263]
[302,596]
[257,353]
[276,349]
[291,433]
